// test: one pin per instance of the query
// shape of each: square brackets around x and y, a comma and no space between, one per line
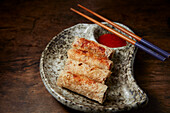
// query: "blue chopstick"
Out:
[166,54]
[149,51]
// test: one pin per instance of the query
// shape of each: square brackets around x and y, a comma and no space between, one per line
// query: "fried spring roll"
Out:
[89,58]
[92,72]
[94,47]
[82,85]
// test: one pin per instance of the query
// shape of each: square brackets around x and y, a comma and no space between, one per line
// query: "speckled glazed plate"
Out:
[123,91]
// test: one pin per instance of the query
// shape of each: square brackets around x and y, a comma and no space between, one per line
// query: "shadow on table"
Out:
[152,107]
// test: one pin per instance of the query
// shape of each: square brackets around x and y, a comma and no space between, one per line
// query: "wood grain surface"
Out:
[26,27]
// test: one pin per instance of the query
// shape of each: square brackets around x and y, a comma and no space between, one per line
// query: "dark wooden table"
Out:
[26,27]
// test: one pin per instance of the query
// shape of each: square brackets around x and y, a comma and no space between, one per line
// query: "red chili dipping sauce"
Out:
[111,40]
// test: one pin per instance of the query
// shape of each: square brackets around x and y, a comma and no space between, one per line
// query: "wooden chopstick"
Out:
[113,24]
[122,36]
[129,33]
[107,28]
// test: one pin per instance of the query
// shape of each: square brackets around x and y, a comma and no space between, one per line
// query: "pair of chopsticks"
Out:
[136,43]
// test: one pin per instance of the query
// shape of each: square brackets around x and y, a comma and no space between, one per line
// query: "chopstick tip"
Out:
[71,8]
[80,5]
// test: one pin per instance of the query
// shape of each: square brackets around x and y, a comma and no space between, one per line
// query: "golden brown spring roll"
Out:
[89,58]
[94,47]
[82,85]
[92,72]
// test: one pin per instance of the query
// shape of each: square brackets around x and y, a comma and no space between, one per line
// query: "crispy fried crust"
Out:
[94,47]
[89,58]
[92,72]
[82,85]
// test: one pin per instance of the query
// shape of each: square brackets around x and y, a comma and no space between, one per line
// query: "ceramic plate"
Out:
[123,91]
